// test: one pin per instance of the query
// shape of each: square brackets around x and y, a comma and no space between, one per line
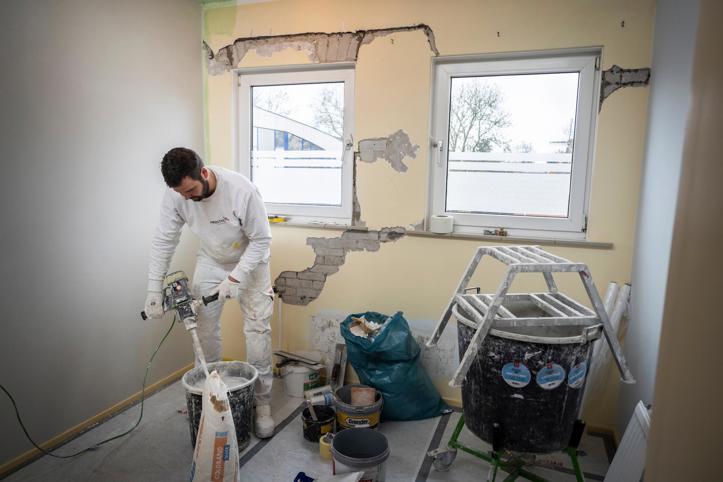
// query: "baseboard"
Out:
[604,431]
[30,455]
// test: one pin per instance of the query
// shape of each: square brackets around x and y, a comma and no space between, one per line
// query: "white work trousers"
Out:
[257,305]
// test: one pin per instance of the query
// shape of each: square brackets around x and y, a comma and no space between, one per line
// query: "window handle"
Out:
[349,144]
[438,146]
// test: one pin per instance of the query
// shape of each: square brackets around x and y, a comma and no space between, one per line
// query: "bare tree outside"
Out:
[477,119]
[329,112]
[566,145]
[276,101]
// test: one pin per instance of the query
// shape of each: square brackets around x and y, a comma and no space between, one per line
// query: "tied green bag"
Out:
[390,363]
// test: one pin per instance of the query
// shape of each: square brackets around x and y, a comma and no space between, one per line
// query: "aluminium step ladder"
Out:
[488,312]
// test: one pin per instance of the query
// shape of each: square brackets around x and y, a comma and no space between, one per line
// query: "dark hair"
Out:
[178,163]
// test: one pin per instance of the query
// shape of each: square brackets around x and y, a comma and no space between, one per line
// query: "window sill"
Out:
[574,243]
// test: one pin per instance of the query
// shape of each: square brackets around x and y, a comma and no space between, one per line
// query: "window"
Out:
[295,140]
[512,142]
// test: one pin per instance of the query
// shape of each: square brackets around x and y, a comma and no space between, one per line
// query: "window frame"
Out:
[245,80]
[583,61]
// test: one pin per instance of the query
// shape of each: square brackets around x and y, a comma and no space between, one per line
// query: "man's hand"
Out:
[154,304]
[229,288]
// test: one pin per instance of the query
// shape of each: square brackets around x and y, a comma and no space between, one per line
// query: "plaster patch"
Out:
[356,219]
[393,149]
[321,47]
[303,287]
[616,77]
[325,334]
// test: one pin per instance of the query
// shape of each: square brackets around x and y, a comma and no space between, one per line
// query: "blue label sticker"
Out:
[516,374]
[551,376]
[576,377]
[226,452]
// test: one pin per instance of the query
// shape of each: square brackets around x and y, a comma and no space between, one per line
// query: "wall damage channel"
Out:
[321,47]
[616,78]
[393,149]
[303,287]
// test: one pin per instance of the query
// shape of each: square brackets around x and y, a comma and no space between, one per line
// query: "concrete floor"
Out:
[160,450]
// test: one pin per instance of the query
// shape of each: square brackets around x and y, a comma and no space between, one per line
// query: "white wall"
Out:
[93,93]
[676,24]
[687,428]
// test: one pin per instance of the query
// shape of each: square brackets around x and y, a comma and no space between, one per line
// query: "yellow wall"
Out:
[393,81]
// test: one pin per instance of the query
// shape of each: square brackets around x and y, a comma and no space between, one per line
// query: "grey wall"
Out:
[676,24]
[92,94]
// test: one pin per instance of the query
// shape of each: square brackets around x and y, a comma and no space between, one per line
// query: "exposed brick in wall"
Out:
[303,287]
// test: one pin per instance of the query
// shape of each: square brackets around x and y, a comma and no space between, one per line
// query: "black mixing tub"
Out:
[524,388]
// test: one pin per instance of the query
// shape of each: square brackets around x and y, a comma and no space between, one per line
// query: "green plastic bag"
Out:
[390,363]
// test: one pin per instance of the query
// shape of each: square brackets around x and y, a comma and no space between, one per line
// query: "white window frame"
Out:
[248,78]
[583,61]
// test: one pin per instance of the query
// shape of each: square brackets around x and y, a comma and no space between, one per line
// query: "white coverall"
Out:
[235,240]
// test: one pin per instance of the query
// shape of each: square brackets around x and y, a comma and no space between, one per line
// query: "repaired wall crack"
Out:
[616,78]
[321,47]
[393,149]
[303,287]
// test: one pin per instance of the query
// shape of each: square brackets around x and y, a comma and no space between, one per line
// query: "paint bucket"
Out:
[362,449]
[299,378]
[314,429]
[350,416]
[240,378]
[524,389]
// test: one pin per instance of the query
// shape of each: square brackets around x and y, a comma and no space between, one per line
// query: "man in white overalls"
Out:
[225,210]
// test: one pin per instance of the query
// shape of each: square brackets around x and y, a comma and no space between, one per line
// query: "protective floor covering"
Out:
[159,450]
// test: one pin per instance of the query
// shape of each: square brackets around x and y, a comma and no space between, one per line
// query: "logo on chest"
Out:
[223,220]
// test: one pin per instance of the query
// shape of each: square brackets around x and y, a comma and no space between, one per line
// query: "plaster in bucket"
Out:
[240,378]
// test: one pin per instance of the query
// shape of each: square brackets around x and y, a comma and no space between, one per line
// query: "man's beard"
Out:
[205,193]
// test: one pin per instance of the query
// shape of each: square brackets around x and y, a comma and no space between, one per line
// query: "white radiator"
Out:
[629,461]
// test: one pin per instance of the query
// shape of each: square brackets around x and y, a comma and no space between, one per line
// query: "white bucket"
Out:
[298,378]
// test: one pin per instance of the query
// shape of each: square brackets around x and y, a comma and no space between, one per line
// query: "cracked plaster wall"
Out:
[392,82]
[321,47]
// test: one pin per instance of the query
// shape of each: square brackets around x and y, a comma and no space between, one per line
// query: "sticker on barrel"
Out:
[551,376]
[516,374]
[576,377]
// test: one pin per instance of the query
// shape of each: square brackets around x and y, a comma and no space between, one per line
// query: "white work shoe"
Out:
[264,425]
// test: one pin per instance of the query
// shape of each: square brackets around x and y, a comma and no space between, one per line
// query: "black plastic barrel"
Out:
[240,397]
[524,389]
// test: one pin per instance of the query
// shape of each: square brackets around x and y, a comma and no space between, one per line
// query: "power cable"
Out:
[96,446]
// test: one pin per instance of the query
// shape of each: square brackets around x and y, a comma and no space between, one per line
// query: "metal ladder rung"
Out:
[503,311]
[559,305]
[531,254]
[545,254]
[574,304]
[546,306]
[517,255]
[467,306]
[501,256]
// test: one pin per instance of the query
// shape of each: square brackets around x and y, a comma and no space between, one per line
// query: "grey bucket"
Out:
[361,449]
[351,416]
[240,397]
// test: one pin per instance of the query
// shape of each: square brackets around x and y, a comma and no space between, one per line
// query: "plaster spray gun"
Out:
[176,296]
